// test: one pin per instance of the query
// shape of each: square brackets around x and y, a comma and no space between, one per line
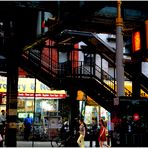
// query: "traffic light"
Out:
[136,116]
[136,41]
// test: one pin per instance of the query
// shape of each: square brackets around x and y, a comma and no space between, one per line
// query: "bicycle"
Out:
[63,140]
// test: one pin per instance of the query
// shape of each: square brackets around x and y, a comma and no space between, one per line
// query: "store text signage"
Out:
[41,95]
[26,86]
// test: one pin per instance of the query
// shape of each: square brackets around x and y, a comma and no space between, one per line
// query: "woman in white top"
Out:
[82,131]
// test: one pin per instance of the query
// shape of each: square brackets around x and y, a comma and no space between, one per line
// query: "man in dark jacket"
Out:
[27,127]
[95,132]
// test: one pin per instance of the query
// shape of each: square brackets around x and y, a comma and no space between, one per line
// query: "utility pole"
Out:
[116,119]
[119,52]
[12,84]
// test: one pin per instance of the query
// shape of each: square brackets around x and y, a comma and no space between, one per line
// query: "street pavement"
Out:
[41,144]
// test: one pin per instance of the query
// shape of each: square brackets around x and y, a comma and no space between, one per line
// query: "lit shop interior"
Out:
[40,102]
[35,99]
[92,111]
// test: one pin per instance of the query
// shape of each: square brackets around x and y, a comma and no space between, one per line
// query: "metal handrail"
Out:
[80,70]
[98,73]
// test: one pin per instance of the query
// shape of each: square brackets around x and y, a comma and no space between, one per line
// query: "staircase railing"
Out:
[63,70]
[107,52]
[41,61]
[96,72]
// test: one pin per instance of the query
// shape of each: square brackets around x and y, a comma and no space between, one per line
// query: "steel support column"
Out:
[74,112]
[74,108]
[116,119]
[119,52]
[12,87]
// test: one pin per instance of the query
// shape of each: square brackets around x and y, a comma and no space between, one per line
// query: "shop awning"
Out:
[91,102]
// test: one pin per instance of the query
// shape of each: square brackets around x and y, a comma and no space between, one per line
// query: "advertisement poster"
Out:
[53,126]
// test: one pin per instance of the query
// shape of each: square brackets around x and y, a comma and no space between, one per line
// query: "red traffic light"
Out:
[136,117]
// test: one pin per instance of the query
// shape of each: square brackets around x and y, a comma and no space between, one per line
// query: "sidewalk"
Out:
[40,144]
[46,144]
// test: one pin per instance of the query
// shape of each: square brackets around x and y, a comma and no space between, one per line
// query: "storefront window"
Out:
[40,106]
[39,109]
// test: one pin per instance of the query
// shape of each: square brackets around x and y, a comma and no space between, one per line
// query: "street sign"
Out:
[116,101]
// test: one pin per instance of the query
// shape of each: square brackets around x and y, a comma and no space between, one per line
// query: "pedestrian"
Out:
[82,133]
[102,133]
[76,132]
[95,132]
[27,127]
[2,126]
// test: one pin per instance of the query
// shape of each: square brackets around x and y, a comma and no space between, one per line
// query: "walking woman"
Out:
[82,132]
[102,135]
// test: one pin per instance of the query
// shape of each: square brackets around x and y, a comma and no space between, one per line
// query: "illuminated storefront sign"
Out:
[26,87]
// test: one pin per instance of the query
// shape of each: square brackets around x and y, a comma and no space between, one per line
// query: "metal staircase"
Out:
[100,47]
[93,80]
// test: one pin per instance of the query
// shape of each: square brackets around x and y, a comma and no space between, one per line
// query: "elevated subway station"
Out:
[98,48]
